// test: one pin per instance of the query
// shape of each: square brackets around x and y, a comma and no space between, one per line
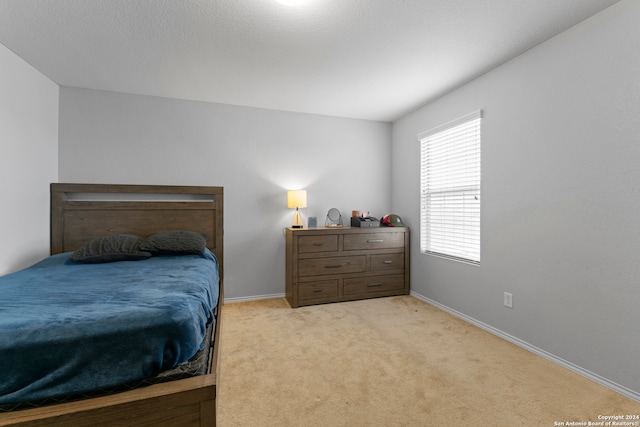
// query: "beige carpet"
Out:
[390,362]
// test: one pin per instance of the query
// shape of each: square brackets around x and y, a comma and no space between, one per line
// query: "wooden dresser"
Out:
[343,264]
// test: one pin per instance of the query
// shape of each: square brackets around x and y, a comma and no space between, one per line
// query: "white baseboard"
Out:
[520,343]
[253,298]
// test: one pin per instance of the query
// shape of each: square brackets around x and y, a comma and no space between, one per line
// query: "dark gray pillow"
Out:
[175,243]
[115,247]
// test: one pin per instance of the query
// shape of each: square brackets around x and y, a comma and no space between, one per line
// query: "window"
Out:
[450,189]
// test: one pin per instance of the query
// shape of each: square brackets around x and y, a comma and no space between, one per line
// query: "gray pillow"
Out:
[175,243]
[115,247]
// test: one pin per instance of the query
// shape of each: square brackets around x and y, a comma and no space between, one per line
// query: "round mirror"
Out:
[334,218]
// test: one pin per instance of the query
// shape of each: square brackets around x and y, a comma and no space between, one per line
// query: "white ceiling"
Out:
[369,59]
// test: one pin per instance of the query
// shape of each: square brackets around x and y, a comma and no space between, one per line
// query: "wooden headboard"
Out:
[81,212]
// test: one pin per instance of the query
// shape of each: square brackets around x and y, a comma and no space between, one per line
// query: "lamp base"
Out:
[297,220]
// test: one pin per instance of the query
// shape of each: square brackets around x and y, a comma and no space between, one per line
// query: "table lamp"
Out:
[297,199]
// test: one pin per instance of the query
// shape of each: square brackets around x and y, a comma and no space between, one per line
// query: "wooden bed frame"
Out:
[81,212]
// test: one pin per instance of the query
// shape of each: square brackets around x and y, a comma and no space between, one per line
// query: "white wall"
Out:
[255,154]
[560,197]
[28,161]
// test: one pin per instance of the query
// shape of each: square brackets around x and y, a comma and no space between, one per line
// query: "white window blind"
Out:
[450,189]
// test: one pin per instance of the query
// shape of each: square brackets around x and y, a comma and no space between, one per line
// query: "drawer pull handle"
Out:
[317,290]
[388,262]
[333,265]
[375,241]
[318,244]
[373,285]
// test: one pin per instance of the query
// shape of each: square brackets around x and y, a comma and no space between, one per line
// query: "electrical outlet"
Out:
[508,299]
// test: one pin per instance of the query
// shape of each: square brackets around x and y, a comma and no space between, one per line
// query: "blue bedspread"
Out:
[67,327]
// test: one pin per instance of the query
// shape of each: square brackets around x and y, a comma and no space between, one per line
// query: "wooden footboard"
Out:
[183,403]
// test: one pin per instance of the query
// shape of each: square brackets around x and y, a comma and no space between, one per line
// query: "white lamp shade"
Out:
[297,198]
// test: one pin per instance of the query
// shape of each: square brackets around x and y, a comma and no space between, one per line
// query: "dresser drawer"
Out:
[331,265]
[354,242]
[326,243]
[387,262]
[317,290]
[364,285]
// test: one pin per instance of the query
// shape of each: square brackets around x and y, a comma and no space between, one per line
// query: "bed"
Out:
[168,395]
